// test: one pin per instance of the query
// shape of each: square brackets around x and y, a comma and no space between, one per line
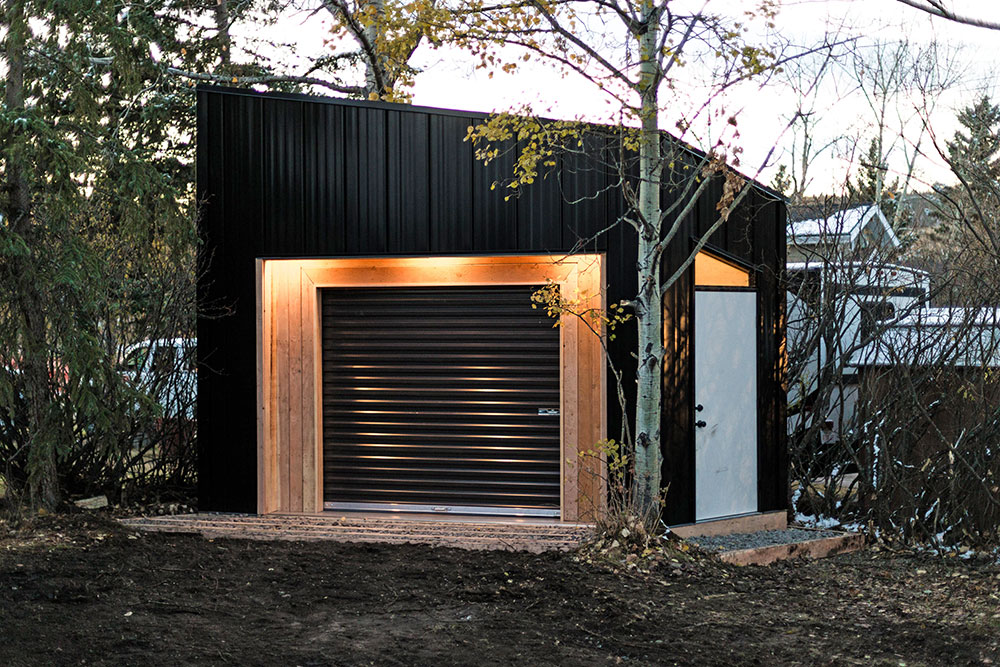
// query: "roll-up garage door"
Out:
[440,399]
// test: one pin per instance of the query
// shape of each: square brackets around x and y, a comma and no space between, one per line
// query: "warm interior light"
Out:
[710,271]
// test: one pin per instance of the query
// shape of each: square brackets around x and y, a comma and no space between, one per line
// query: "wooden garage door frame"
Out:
[289,373]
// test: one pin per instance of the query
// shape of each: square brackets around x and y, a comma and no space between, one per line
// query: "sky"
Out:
[843,115]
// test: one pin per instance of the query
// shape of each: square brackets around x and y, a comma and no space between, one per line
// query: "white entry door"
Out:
[725,383]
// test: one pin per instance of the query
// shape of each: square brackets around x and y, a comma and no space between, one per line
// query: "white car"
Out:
[166,370]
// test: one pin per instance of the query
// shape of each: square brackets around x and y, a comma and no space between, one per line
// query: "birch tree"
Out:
[637,53]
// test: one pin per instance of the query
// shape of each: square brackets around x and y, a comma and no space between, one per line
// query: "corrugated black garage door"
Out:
[442,398]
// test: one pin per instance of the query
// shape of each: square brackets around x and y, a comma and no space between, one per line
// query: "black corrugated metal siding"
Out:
[432,396]
[298,176]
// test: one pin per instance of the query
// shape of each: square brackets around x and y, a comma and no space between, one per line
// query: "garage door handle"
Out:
[701,424]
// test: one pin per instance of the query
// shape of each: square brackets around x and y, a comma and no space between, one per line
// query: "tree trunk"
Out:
[376,72]
[649,305]
[222,26]
[43,487]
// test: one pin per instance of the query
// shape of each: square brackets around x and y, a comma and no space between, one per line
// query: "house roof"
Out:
[843,227]
[877,268]
[952,316]
[957,337]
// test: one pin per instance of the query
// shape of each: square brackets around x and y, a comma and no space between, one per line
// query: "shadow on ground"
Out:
[81,588]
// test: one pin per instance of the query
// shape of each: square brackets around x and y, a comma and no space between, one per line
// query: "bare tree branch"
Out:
[937,8]
[269,78]
[251,80]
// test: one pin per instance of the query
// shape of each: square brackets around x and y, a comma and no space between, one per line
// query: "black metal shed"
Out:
[284,176]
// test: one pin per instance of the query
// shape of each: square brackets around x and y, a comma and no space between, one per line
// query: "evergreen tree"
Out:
[97,201]
[872,185]
[97,198]
[975,149]
[968,234]
[781,182]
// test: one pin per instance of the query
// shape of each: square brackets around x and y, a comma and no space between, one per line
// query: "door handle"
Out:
[699,407]
[701,424]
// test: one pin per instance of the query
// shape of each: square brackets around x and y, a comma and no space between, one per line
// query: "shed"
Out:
[366,339]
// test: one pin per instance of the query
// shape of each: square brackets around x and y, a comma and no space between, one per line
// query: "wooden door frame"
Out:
[289,373]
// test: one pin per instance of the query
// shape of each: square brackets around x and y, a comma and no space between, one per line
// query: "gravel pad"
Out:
[764,538]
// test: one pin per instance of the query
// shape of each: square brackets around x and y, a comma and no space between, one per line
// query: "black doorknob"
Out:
[699,407]
[701,424]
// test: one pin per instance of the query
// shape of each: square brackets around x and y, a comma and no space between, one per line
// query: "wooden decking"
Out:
[508,535]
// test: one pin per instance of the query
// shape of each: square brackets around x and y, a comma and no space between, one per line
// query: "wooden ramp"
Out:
[769,546]
[535,536]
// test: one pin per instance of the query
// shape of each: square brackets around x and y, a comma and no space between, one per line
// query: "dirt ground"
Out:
[80,589]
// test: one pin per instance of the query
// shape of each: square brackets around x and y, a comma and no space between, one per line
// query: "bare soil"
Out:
[81,589]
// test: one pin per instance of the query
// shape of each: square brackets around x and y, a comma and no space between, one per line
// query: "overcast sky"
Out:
[449,80]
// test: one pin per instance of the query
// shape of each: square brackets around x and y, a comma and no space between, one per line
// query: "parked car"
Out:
[166,370]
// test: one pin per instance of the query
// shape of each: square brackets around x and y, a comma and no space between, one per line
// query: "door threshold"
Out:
[746,523]
[727,517]
[449,518]
[444,510]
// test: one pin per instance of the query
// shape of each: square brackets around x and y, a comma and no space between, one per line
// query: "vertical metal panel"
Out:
[282,167]
[494,214]
[678,471]
[332,189]
[372,174]
[229,149]
[242,129]
[539,213]
[435,396]
[769,252]
[313,169]
[409,163]
[583,181]
[622,284]
[451,192]
[350,153]
[740,241]
[364,162]
[323,179]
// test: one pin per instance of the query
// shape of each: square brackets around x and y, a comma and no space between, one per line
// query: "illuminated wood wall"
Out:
[289,437]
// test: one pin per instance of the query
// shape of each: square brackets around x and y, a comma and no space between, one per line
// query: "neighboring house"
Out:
[379,352]
[836,310]
[845,234]
[848,318]
[841,292]
[871,362]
